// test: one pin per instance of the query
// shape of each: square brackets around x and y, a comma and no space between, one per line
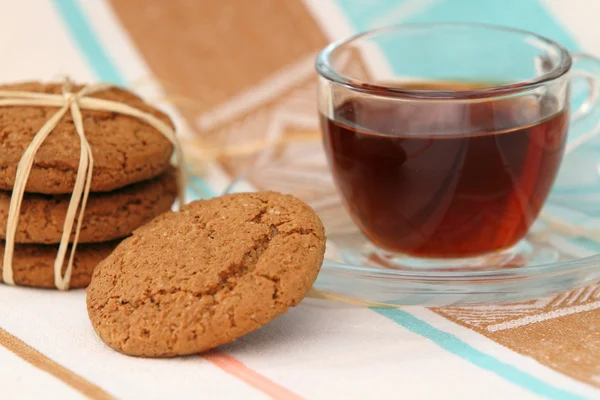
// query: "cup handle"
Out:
[585,67]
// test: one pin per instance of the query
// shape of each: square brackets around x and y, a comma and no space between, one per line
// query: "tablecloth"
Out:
[229,70]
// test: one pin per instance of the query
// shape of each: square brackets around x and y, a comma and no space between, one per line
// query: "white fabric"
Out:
[319,350]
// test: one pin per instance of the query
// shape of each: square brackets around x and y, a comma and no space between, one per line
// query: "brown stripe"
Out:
[562,333]
[40,361]
[211,50]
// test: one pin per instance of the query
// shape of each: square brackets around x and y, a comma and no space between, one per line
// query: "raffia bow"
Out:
[74,102]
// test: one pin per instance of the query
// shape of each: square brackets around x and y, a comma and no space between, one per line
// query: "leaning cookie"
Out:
[33,264]
[108,216]
[192,280]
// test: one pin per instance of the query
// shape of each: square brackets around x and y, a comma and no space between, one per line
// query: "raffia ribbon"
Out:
[74,102]
[315,293]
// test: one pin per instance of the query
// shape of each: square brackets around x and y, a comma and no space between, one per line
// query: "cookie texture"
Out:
[108,216]
[125,149]
[192,280]
[33,264]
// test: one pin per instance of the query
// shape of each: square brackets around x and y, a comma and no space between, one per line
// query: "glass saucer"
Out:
[560,253]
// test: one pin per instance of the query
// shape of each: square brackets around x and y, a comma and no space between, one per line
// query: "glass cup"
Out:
[444,140]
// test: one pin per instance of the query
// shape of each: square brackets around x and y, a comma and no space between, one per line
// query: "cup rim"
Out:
[325,70]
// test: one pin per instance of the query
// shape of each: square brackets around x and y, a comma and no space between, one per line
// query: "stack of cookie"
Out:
[132,182]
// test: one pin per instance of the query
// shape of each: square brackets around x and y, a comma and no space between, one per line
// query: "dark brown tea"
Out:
[445,179]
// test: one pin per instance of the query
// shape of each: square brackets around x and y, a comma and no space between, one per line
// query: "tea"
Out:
[445,179]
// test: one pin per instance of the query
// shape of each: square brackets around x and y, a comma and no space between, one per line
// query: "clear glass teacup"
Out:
[444,140]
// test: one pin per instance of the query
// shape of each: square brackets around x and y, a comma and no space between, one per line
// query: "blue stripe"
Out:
[456,346]
[528,15]
[87,42]
[199,188]
[531,15]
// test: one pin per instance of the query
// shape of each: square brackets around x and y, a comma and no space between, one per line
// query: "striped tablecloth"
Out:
[233,69]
